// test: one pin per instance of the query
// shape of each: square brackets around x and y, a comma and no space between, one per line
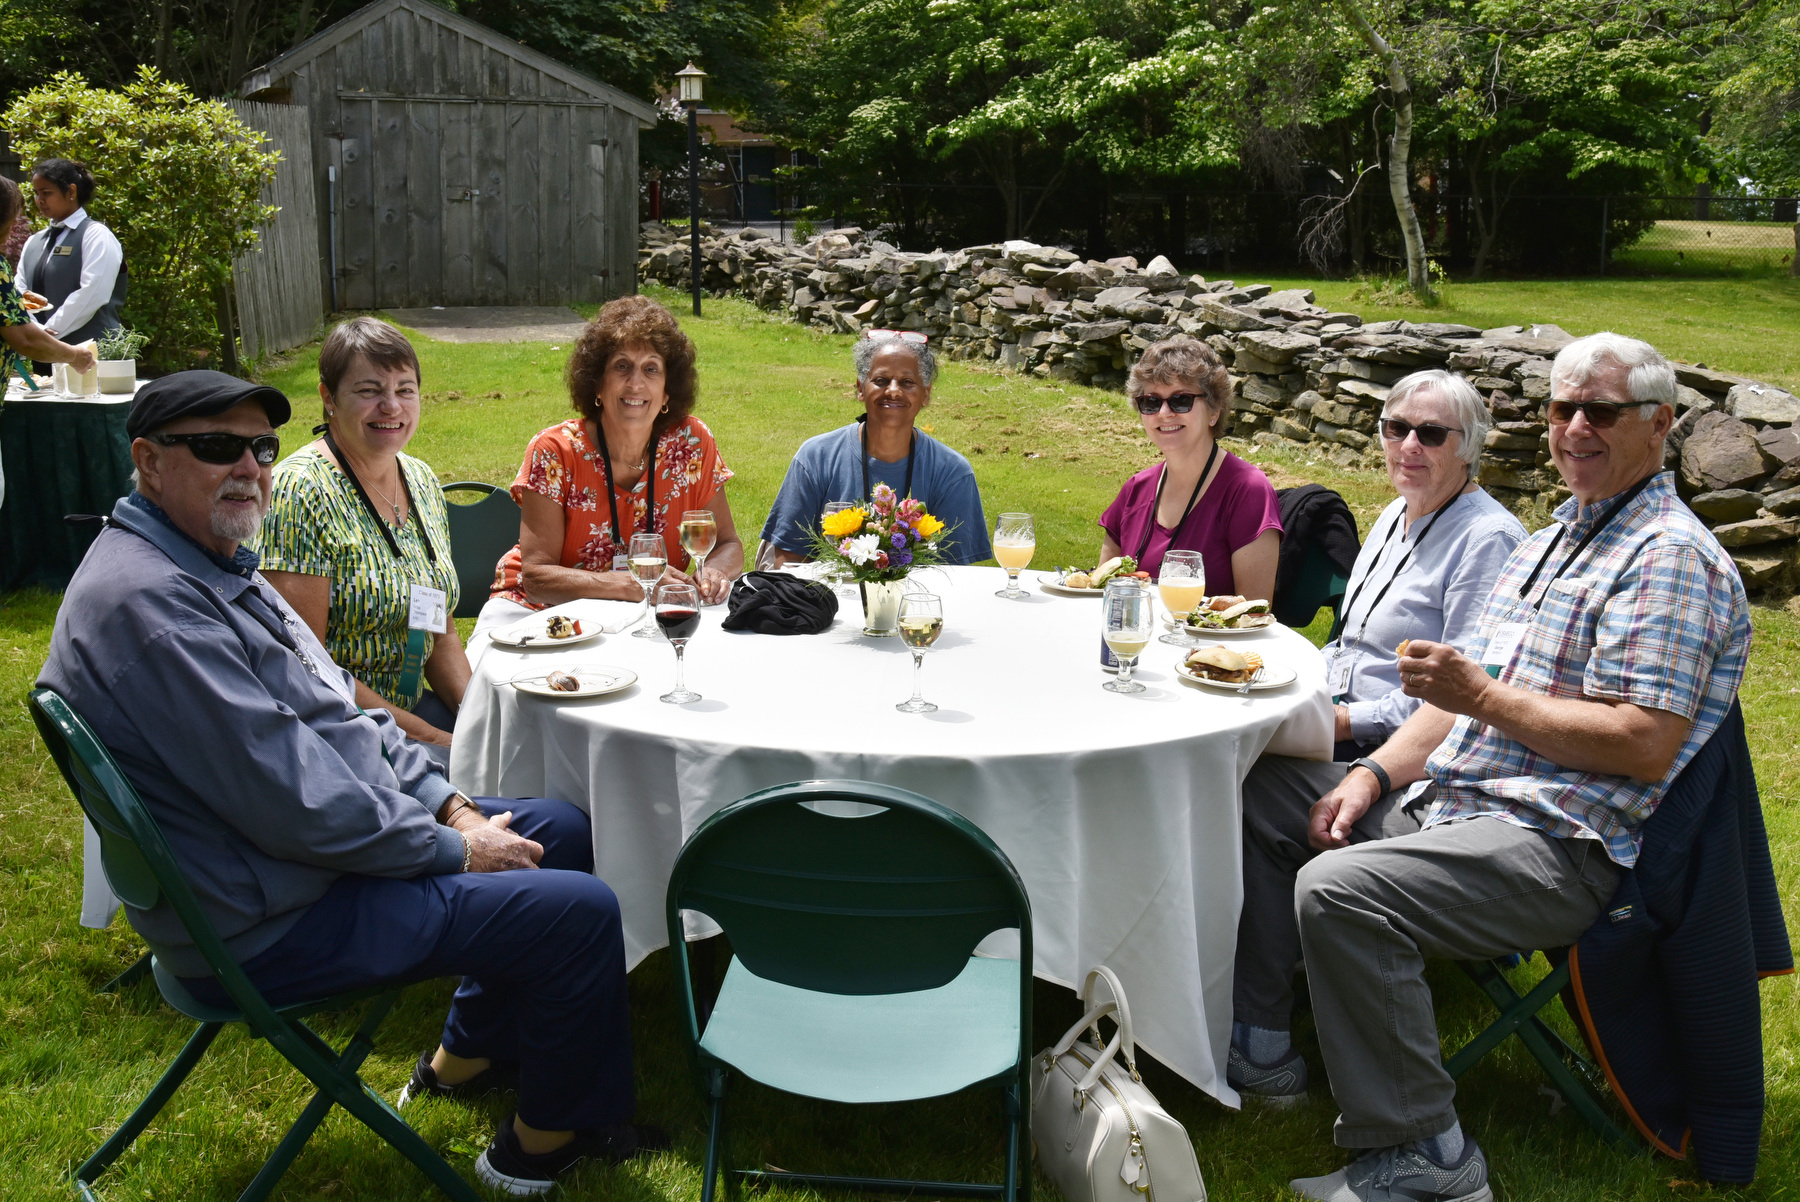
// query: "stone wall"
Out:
[1302,374]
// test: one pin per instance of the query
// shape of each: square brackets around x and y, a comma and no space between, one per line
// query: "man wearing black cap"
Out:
[328,852]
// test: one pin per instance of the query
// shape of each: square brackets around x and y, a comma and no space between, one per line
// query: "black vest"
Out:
[56,275]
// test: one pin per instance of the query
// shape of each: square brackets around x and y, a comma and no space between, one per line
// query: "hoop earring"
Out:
[665,407]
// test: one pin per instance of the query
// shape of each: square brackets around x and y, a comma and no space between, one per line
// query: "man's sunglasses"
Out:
[1602,415]
[911,336]
[212,447]
[1181,402]
[1430,433]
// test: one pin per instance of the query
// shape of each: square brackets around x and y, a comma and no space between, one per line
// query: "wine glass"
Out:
[678,614]
[1014,544]
[699,535]
[1182,583]
[648,557]
[1126,623]
[921,621]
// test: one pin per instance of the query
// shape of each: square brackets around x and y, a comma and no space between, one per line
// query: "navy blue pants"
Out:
[541,954]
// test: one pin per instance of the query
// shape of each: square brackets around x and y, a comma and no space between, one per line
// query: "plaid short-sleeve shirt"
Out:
[1651,613]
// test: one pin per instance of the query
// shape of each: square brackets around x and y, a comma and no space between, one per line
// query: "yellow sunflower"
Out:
[929,526]
[844,523]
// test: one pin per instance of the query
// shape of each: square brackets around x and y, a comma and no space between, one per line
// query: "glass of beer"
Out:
[699,535]
[678,613]
[921,621]
[1014,544]
[1126,623]
[648,557]
[1182,583]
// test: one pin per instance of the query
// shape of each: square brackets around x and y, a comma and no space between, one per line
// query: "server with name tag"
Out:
[73,271]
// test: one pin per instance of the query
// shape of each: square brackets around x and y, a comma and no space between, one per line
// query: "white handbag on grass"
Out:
[1099,1134]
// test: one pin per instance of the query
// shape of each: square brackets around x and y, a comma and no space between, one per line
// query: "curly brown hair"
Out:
[1185,360]
[633,321]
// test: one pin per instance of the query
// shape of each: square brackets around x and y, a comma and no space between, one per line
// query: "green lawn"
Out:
[72,1063]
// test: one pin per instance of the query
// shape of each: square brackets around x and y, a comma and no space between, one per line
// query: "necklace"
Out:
[392,504]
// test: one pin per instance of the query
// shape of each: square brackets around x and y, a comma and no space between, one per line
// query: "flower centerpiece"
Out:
[877,545]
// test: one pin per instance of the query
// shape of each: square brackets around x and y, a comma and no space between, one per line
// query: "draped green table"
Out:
[60,456]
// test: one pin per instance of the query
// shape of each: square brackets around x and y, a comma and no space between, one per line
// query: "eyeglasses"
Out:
[218,447]
[912,336]
[1602,415]
[1181,402]
[1430,433]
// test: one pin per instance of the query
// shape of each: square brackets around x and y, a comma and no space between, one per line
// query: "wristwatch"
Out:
[1381,776]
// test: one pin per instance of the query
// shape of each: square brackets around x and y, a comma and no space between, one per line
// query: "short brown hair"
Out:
[1185,360]
[12,202]
[371,337]
[633,321]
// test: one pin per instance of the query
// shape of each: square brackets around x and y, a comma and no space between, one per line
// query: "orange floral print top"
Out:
[563,464]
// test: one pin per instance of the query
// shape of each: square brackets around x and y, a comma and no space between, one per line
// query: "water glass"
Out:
[1127,620]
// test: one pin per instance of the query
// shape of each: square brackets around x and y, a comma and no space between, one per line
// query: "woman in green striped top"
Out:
[357,537]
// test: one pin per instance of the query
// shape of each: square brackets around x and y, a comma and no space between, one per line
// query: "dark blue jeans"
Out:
[541,954]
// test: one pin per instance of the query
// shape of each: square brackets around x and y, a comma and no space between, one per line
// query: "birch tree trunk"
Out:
[1418,274]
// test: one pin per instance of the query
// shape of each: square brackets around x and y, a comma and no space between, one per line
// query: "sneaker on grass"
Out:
[506,1166]
[1281,1085]
[1402,1174]
[500,1075]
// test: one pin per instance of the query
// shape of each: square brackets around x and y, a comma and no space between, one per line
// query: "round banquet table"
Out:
[1121,812]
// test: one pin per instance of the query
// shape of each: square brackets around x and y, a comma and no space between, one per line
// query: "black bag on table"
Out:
[780,603]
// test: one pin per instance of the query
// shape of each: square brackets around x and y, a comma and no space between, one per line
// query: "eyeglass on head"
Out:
[1431,434]
[1602,415]
[1181,402]
[912,336]
[219,447]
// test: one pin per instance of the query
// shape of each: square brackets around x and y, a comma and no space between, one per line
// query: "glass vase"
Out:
[881,606]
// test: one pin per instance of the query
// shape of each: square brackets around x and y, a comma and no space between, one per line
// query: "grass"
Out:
[72,1063]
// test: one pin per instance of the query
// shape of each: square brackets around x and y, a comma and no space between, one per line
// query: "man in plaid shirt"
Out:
[1609,653]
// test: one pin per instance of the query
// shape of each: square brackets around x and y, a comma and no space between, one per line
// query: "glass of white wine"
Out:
[921,621]
[1127,620]
[699,535]
[648,557]
[1015,542]
[1182,583]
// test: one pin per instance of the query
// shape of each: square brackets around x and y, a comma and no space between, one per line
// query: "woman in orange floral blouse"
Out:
[632,380]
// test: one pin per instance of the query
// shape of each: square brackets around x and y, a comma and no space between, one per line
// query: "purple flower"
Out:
[899,559]
[898,541]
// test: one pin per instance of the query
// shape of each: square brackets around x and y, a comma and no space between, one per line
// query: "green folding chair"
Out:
[480,533]
[1318,584]
[142,871]
[853,977]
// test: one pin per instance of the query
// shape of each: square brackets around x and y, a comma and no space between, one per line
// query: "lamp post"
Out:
[690,80]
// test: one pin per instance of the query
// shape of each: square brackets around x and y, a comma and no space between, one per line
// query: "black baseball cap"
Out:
[199,394]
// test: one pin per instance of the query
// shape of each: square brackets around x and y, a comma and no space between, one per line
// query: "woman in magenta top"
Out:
[1201,497]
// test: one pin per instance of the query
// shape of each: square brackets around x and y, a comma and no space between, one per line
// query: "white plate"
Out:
[596,681]
[532,632]
[1273,677]
[1049,585]
[1207,632]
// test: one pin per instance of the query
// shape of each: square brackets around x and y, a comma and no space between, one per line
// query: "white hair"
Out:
[1471,412]
[1648,377]
[863,354]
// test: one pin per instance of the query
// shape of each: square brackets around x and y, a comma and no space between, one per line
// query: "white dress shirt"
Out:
[101,257]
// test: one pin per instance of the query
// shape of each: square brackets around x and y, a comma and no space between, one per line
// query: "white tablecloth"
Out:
[1120,812]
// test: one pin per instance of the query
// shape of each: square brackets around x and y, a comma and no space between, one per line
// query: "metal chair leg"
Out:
[714,1136]
[131,976]
[1010,1182]
[153,1102]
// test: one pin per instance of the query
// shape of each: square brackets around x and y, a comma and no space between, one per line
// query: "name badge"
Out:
[62,250]
[621,563]
[1501,646]
[1340,676]
[427,609]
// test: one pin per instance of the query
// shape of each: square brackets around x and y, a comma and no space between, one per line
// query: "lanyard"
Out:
[612,501]
[1605,521]
[1399,569]
[387,530]
[912,445]
[1156,503]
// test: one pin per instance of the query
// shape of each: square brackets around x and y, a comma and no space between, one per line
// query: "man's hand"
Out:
[1443,676]
[83,360]
[1328,825]
[493,848]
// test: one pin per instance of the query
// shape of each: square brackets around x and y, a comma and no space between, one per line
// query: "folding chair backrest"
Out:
[889,902]
[1318,583]
[480,534]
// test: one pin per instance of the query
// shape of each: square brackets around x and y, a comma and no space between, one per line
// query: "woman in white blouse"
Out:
[72,273]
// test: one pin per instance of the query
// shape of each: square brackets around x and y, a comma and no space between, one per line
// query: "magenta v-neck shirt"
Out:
[1238,507]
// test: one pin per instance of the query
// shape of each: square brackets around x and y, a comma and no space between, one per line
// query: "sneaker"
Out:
[1281,1085]
[1402,1174]
[503,1074]
[506,1166]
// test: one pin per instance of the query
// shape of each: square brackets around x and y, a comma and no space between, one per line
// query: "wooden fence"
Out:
[276,286]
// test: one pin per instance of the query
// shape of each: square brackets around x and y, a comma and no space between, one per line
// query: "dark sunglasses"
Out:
[1602,415]
[1181,402]
[213,447]
[1430,434]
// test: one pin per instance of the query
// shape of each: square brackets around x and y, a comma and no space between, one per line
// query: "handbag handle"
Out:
[1120,1010]
[1089,1020]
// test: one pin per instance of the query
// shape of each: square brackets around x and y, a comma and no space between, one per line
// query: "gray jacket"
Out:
[268,782]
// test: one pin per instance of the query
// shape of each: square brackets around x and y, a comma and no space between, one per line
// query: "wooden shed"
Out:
[454,166]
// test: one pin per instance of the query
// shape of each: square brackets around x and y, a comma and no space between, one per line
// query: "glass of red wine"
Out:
[678,614]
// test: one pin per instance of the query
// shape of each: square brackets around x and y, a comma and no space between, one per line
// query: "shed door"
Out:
[473,202]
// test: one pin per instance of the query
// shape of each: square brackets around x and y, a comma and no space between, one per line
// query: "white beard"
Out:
[235,525]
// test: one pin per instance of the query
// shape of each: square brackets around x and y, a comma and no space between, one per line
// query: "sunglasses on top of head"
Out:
[1181,402]
[1601,415]
[1430,433]
[219,447]
[908,336]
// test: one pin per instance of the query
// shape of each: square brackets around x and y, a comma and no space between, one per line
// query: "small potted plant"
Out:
[118,349]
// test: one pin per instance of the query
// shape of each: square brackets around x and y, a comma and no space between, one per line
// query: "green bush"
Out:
[179,181]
